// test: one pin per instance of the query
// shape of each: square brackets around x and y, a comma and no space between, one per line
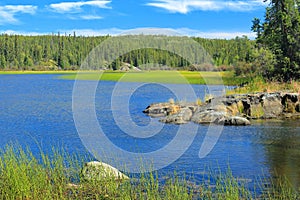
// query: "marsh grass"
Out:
[24,176]
[179,77]
[278,188]
[258,84]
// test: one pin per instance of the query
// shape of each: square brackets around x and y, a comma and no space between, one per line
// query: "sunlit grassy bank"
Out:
[23,176]
[182,77]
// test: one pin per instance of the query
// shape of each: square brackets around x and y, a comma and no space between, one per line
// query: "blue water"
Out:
[36,111]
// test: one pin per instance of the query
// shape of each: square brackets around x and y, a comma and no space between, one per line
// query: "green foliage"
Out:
[243,69]
[228,52]
[280,32]
[261,63]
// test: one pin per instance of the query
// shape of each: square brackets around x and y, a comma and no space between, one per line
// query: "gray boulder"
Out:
[209,116]
[99,171]
[272,105]
[182,117]
[219,117]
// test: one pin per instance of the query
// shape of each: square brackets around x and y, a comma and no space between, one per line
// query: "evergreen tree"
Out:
[2,62]
[280,33]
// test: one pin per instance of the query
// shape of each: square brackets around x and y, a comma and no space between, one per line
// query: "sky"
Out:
[201,18]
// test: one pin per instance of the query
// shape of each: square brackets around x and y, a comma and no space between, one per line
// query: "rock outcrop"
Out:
[229,110]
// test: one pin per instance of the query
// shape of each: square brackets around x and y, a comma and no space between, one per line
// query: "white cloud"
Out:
[145,31]
[76,7]
[8,12]
[90,17]
[214,34]
[188,32]
[186,6]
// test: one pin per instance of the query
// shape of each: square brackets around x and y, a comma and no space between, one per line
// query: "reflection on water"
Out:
[281,141]
[36,111]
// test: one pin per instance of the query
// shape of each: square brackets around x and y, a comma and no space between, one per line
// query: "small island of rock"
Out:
[229,110]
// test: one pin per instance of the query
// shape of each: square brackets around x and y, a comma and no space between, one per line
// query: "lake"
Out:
[36,111]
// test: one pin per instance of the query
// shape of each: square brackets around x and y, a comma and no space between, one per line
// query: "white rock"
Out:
[99,171]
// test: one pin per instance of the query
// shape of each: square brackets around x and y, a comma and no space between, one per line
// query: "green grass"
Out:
[23,176]
[181,77]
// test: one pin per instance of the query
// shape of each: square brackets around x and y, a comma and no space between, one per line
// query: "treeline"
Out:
[56,51]
[49,52]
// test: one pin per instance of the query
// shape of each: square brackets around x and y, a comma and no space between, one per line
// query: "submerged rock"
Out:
[99,171]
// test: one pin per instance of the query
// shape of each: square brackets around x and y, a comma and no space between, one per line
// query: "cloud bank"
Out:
[153,31]
[186,6]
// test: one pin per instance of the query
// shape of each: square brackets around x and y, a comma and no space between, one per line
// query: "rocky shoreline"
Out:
[235,110]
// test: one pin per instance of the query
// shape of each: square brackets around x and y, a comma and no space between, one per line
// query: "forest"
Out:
[67,52]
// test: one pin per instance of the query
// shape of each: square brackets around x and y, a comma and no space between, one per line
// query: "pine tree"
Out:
[280,32]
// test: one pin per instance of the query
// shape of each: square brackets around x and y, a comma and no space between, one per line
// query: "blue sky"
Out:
[203,18]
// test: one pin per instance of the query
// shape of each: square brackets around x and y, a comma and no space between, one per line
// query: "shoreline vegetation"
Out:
[58,176]
[244,84]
